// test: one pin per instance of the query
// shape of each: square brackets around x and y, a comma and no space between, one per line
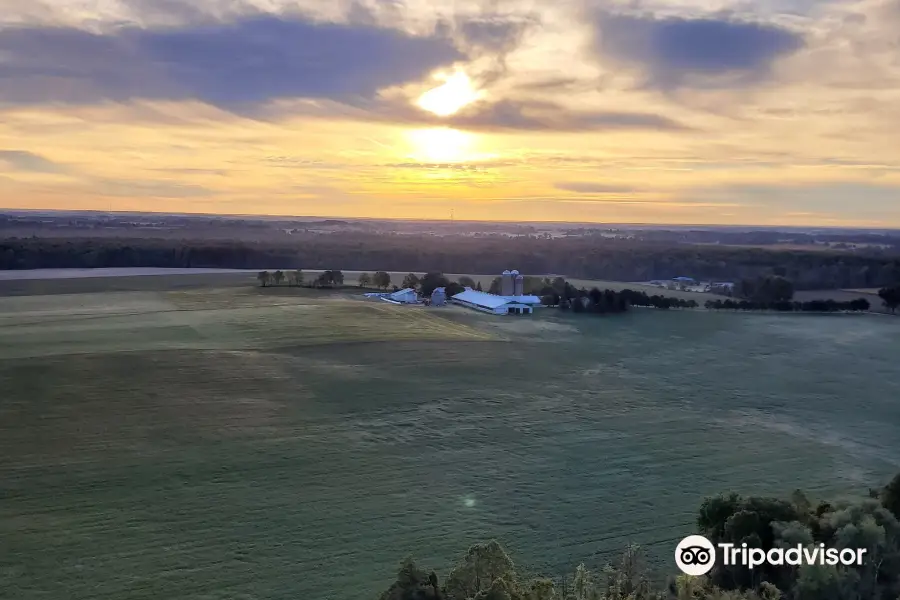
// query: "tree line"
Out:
[771,293]
[297,277]
[581,257]
[819,306]
[486,572]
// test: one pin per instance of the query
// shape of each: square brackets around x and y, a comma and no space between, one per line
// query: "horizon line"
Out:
[448,221]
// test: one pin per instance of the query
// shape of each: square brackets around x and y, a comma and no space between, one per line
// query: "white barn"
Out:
[496,305]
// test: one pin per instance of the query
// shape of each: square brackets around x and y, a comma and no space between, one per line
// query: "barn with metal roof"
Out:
[497,305]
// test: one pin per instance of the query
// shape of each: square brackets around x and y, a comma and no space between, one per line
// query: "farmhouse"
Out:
[512,302]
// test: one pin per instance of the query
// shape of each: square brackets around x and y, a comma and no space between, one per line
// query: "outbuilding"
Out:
[404,296]
[497,305]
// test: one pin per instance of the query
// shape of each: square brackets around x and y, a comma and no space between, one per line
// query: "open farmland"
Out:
[239,442]
[352,277]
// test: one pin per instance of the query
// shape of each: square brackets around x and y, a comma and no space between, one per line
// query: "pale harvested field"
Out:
[247,443]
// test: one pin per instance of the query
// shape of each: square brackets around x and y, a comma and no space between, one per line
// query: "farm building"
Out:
[404,296]
[512,300]
[497,305]
[439,297]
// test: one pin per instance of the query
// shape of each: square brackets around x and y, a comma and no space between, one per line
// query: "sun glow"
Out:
[440,145]
[446,99]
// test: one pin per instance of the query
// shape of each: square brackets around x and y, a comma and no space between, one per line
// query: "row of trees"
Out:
[294,278]
[858,305]
[328,278]
[486,572]
[564,295]
[771,293]
[380,280]
[584,257]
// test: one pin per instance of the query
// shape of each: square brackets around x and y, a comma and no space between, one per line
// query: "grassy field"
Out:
[236,442]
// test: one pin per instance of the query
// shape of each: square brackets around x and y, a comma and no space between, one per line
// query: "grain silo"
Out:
[519,286]
[507,284]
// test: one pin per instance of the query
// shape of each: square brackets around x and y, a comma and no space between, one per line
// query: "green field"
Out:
[229,441]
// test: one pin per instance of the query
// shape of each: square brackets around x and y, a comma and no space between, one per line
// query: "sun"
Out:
[446,99]
[440,145]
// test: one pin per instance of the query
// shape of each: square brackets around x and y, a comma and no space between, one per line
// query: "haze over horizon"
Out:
[679,112]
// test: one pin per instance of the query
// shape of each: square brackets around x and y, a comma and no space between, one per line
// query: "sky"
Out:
[765,112]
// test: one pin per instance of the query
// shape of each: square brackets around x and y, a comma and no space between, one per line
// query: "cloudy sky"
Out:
[670,111]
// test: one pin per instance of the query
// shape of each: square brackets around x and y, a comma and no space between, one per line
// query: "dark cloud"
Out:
[230,65]
[511,115]
[674,51]
[27,161]
[551,84]
[584,187]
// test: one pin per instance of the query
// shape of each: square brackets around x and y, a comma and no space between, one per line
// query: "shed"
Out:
[405,296]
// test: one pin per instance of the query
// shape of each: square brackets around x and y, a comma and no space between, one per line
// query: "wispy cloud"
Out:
[586,187]
[21,160]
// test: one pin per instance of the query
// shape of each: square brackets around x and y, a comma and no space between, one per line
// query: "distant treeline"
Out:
[858,305]
[581,257]
[567,297]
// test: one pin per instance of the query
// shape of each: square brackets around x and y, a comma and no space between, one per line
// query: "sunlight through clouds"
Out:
[406,108]
[452,95]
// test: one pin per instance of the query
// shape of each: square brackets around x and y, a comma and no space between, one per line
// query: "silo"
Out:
[507,284]
[520,285]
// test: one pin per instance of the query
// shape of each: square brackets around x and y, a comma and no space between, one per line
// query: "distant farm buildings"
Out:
[405,296]
[511,301]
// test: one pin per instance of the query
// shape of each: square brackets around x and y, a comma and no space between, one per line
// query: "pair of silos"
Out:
[512,284]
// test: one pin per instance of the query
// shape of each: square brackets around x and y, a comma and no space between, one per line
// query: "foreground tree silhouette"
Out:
[263,277]
[483,566]
[278,277]
[486,572]
[364,280]
[890,496]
